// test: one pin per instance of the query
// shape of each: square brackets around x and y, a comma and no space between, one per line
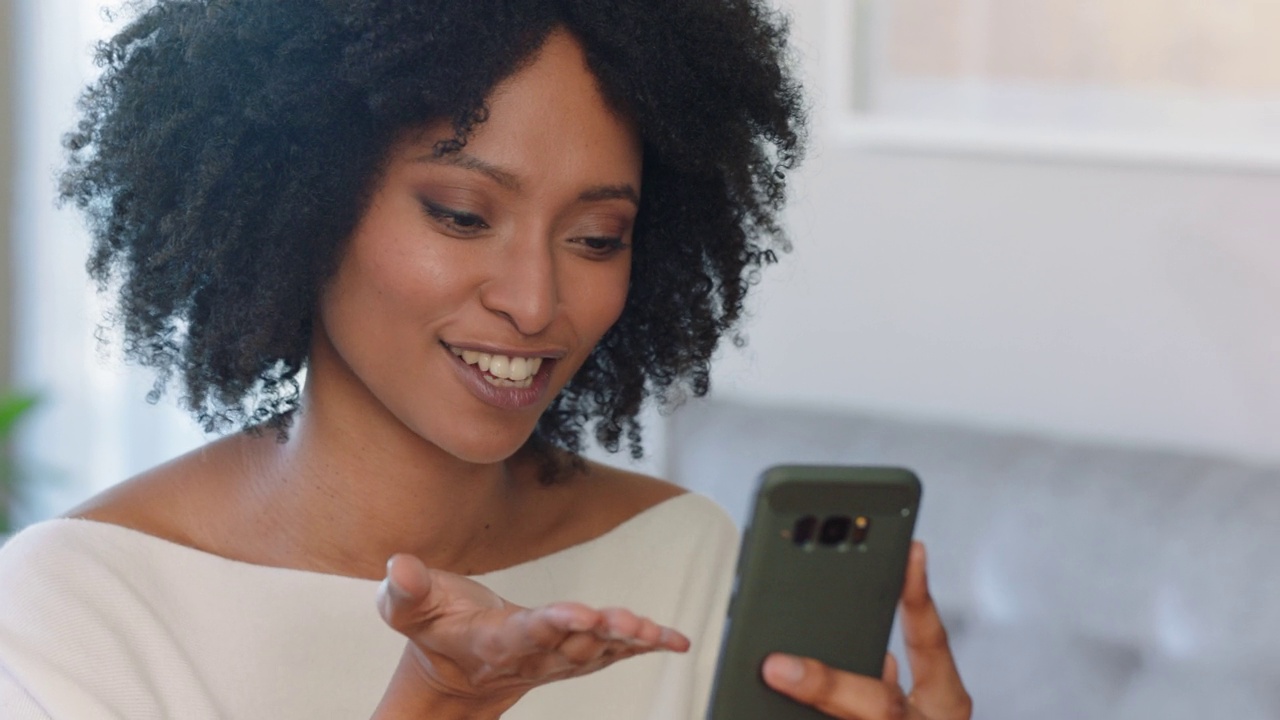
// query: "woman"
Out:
[483,228]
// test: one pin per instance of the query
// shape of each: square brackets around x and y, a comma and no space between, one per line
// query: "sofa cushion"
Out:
[1197,691]
[1219,596]
[1017,672]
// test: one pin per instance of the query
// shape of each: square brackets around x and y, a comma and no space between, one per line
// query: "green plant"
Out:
[12,408]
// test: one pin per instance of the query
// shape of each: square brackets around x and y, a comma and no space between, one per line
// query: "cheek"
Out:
[404,276]
[605,301]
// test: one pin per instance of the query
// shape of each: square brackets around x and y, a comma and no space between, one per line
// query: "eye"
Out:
[455,221]
[602,247]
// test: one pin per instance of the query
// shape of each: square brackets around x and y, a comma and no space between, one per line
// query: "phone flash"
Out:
[861,528]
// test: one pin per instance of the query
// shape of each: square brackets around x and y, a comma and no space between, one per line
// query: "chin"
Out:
[484,447]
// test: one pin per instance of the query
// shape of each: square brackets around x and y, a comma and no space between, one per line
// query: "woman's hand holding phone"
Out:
[938,694]
[472,654]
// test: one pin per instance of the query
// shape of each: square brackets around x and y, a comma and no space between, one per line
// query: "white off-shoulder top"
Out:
[99,621]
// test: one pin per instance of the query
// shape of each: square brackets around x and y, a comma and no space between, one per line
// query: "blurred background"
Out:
[1054,221]
[1058,215]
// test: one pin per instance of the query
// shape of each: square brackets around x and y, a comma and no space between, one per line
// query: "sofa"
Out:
[1077,580]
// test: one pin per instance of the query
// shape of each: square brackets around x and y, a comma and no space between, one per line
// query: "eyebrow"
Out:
[622,191]
[471,162]
[611,192]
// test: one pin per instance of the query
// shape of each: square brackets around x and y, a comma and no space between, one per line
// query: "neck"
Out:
[346,495]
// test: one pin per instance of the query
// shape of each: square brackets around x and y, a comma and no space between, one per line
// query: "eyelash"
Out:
[610,245]
[460,222]
[468,224]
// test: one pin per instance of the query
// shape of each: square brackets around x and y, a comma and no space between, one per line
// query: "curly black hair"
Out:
[229,148]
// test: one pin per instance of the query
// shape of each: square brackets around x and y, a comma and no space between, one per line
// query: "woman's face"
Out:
[477,283]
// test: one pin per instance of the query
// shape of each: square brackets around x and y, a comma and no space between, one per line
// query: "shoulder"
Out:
[607,484]
[62,561]
[181,501]
[82,632]
[654,522]
[624,500]
[66,581]
[658,502]
[53,543]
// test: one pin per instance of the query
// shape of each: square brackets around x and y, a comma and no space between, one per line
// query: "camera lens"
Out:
[834,530]
[803,531]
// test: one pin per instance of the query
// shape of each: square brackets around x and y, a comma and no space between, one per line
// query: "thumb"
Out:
[405,596]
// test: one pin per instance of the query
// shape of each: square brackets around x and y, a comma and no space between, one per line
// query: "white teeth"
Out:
[499,366]
[519,369]
[503,370]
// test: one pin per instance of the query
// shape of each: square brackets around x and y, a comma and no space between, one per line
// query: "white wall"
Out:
[1120,302]
[6,188]
[93,426]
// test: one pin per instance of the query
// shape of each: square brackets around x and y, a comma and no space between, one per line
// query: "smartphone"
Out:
[820,574]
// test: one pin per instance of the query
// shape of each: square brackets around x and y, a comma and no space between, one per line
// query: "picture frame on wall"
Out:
[1147,81]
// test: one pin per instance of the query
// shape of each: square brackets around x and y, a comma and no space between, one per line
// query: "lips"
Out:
[509,382]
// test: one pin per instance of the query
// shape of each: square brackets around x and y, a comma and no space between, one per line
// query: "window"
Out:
[1158,79]
[93,426]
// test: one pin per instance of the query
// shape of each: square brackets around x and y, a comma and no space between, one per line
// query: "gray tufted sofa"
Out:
[1078,581]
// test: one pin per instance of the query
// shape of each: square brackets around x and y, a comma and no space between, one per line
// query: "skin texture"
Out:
[521,244]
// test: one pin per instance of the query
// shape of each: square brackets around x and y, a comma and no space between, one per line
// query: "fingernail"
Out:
[785,669]
[393,589]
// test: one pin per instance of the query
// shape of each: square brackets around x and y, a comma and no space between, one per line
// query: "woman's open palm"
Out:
[471,644]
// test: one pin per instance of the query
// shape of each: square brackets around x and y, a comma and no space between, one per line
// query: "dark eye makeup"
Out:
[455,220]
[603,247]
[460,222]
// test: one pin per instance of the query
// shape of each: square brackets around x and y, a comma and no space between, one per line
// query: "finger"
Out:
[543,630]
[583,648]
[890,674]
[619,624]
[622,624]
[579,653]
[649,633]
[403,596]
[938,689]
[674,640]
[569,617]
[837,693]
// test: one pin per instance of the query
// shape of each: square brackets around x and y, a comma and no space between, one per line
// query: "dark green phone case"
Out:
[835,603]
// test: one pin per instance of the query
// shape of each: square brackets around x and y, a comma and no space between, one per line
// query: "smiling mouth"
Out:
[505,371]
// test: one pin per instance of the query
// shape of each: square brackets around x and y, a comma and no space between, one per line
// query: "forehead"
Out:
[548,117]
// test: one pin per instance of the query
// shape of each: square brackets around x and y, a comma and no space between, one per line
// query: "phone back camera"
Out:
[835,530]
[802,533]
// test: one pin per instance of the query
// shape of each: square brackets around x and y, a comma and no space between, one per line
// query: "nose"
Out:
[523,287]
